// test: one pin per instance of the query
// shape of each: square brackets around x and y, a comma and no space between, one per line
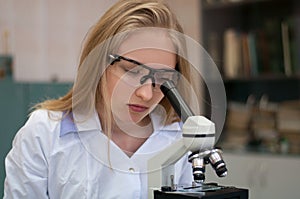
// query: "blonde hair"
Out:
[125,15]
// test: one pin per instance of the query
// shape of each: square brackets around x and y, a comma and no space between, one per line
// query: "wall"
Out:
[188,13]
[45,36]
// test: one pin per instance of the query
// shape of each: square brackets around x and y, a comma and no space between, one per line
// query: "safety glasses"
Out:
[136,74]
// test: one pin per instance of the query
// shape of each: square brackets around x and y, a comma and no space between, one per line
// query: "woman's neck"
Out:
[131,138]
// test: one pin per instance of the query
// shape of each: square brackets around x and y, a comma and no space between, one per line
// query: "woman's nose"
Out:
[145,91]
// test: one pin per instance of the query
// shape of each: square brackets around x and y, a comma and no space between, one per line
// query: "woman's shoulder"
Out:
[42,122]
[38,132]
[44,115]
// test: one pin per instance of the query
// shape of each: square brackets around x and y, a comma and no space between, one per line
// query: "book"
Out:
[245,55]
[288,117]
[286,48]
[232,54]
[252,53]
[272,29]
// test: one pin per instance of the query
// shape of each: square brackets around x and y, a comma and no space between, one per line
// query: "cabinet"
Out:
[254,42]
[256,46]
[266,176]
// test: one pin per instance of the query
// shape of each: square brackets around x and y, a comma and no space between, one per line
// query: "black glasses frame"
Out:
[116,58]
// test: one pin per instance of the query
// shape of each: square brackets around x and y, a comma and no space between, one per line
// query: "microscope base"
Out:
[225,192]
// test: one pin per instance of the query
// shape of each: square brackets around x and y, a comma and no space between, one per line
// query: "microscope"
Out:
[198,139]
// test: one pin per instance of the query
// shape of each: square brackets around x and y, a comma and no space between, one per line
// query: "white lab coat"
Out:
[53,158]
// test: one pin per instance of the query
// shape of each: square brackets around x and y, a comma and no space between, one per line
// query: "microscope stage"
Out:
[209,191]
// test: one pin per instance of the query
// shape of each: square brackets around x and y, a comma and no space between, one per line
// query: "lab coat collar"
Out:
[81,123]
[67,125]
[93,123]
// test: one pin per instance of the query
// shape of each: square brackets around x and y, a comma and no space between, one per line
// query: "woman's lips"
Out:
[137,108]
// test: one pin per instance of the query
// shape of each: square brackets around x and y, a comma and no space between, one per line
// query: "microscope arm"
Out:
[161,166]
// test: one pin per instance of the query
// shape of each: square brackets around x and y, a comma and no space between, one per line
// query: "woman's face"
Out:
[133,88]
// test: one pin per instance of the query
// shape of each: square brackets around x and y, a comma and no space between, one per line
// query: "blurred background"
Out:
[254,43]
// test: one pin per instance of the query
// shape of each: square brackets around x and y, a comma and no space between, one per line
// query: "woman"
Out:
[95,141]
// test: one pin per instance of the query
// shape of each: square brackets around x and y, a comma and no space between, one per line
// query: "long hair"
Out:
[125,15]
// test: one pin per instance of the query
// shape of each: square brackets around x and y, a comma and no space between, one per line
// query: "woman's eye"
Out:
[131,69]
[166,77]
[126,68]
[134,71]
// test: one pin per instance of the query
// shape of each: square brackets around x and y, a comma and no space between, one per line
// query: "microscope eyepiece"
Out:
[178,103]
